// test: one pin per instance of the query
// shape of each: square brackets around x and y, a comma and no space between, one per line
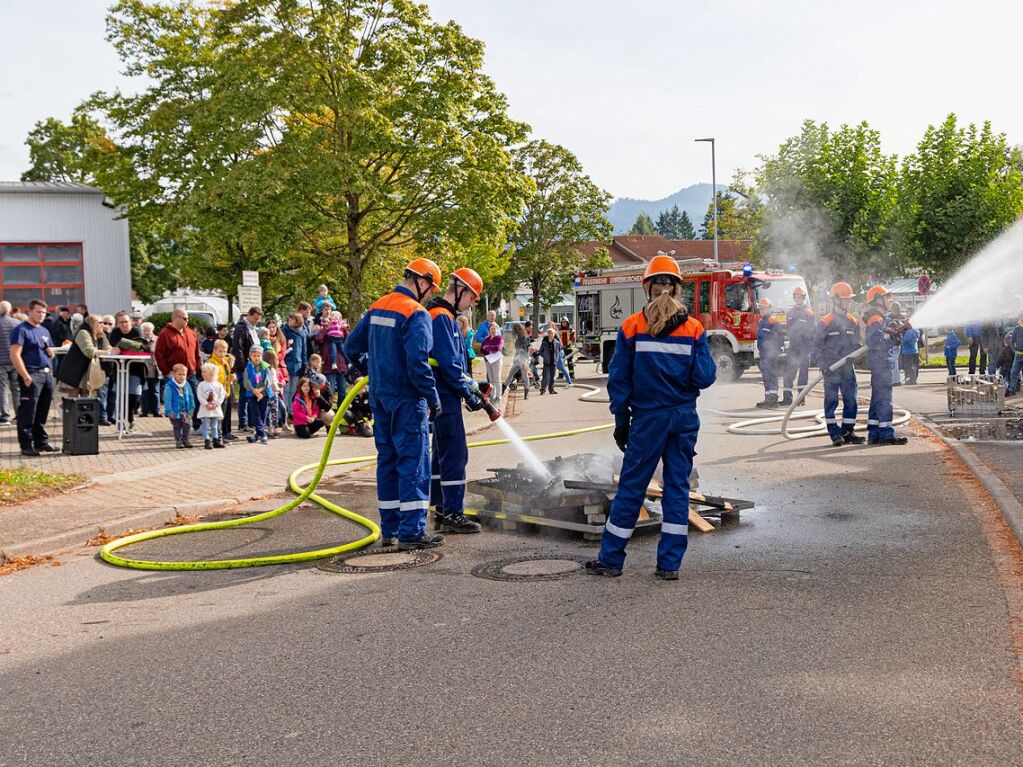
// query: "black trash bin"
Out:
[81,425]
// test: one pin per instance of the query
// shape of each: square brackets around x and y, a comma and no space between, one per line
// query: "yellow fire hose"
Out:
[303,494]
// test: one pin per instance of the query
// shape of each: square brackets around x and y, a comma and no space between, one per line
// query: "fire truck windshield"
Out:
[779,291]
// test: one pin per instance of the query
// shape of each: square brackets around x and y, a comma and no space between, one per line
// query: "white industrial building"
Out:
[64,244]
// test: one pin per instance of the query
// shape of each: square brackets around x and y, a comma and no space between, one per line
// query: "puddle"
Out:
[1004,429]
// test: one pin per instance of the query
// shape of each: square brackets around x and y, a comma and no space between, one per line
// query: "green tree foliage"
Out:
[564,208]
[738,219]
[959,190]
[675,224]
[644,225]
[321,141]
[831,199]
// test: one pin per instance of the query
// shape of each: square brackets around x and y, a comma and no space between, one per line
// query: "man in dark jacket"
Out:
[243,339]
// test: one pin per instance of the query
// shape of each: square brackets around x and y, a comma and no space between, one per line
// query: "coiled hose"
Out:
[302,494]
[756,425]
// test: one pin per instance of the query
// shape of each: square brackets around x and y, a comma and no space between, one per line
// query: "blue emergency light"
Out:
[747,269]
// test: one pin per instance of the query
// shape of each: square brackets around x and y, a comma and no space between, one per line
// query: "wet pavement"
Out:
[860,614]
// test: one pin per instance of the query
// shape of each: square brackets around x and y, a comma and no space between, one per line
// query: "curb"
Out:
[77,537]
[1011,508]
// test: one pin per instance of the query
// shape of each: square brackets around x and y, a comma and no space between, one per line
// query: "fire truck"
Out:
[722,297]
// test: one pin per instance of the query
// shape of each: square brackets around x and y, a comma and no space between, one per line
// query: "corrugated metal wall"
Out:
[42,218]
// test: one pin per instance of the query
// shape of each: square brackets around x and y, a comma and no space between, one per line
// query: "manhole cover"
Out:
[539,568]
[380,561]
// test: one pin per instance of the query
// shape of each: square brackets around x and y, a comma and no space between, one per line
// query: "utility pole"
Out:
[713,192]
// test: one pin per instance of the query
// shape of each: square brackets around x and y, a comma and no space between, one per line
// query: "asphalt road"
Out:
[856,617]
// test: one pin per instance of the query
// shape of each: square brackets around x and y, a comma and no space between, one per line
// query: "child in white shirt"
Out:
[210,395]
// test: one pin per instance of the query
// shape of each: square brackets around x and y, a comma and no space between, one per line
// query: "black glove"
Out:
[622,422]
[434,411]
[474,402]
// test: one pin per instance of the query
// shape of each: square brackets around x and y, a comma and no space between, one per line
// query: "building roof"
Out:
[638,249]
[908,285]
[46,187]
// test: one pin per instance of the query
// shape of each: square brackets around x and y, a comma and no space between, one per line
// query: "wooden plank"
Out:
[701,524]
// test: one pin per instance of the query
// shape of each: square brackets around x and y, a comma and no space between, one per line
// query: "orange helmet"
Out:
[876,292]
[798,291]
[470,279]
[764,303]
[662,264]
[425,268]
[841,290]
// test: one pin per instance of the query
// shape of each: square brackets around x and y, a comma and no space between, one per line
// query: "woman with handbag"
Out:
[80,374]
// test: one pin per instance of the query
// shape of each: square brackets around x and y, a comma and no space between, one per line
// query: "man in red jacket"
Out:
[178,343]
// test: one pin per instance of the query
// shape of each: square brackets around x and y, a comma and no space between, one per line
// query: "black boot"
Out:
[208,444]
[425,541]
[219,442]
[456,523]
[893,441]
[596,567]
[666,575]
[850,438]
[786,400]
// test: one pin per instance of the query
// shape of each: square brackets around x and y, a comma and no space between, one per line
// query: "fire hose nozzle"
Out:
[491,411]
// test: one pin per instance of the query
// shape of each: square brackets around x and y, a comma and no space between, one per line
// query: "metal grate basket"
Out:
[975,395]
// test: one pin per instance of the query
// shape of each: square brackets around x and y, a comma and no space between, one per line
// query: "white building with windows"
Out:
[63,244]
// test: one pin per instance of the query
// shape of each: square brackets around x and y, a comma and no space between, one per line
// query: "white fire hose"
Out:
[757,425]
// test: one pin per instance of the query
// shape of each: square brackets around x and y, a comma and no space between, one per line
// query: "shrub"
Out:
[159,319]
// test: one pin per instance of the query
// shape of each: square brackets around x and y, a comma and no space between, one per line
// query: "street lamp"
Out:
[713,192]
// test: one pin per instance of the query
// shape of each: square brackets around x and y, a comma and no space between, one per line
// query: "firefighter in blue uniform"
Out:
[454,384]
[800,322]
[397,336]
[883,336]
[661,362]
[770,342]
[838,335]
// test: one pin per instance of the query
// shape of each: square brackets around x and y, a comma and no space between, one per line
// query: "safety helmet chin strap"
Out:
[420,294]
[460,290]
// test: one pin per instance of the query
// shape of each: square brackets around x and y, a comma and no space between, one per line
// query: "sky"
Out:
[628,86]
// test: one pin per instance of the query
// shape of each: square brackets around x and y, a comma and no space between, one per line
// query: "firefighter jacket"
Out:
[770,337]
[451,374]
[397,335]
[879,342]
[800,322]
[659,372]
[837,335]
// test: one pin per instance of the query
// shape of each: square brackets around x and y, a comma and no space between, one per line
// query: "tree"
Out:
[644,225]
[958,191]
[323,141]
[565,208]
[831,201]
[674,224]
[685,229]
[738,219]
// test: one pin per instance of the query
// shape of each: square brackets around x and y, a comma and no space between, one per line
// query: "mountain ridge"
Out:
[693,199]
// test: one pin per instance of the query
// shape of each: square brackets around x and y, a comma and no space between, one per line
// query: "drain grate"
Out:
[534,568]
[380,561]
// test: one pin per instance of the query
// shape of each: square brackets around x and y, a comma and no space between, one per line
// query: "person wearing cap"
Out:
[770,340]
[882,337]
[136,319]
[454,384]
[396,334]
[660,364]
[837,336]
[800,322]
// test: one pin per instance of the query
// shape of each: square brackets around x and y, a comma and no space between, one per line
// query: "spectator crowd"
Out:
[261,378]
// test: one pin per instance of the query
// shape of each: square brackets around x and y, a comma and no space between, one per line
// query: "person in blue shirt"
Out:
[975,335]
[396,335]
[454,384]
[951,351]
[770,341]
[32,355]
[882,337]
[837,336]
[910,353]
[660,364]
[483,331]
[800,322]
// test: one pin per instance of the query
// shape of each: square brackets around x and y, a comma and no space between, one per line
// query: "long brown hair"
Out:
[662,307]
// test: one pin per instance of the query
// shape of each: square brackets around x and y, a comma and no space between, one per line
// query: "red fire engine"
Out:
[722,298]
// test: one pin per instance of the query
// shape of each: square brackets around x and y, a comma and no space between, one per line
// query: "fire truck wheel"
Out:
[729,368]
